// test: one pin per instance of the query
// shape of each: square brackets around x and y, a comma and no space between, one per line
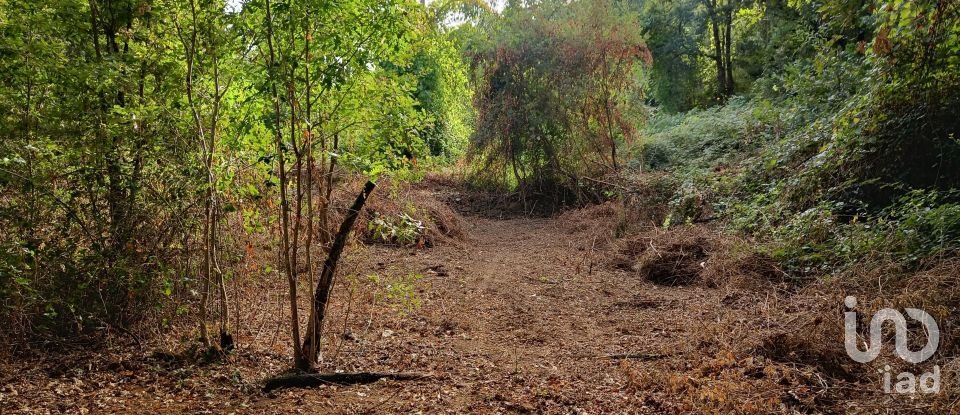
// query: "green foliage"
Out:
[844,152]
[706,138]
[443,92]
[872,173]
[399,293]
[113,111]
[554,96]
[673,31]
[401,230]
[700,195]
[921,225]
[92,184]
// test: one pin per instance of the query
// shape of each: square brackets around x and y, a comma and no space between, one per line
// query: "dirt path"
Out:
[522,316]
[517,321]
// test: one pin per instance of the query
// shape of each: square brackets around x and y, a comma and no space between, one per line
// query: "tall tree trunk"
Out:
[309,149]
[728,50]
[608,115]
[207,268]
[226,340]
[324,219]
[290,269]
[207,136]
[718,56]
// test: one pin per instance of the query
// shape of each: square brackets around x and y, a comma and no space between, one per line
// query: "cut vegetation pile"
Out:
[409,215]
[672,257]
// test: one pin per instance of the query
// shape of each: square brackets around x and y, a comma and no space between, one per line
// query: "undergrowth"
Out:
[820,190]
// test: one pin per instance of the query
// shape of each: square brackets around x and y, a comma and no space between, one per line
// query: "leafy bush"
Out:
[921,225]
[704,138]
[401,229]
[554,96]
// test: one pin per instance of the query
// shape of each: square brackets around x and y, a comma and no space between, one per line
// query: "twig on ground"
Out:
[305,380]
[636,356]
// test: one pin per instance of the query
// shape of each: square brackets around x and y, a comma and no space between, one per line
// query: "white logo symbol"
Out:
[906,382]
[900,323]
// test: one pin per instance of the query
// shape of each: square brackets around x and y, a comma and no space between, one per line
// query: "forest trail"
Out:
[579,207]
[527,316]
[521,315]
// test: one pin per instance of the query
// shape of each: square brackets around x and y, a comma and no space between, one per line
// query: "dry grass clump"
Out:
[592,227]
[643,206]
[774,344]
[648,197]
[679,263]
[450,178]
[813,348]
[601,217]
[442,221]
[933,289]
[744,266]
[788,345]
[697,254]
[670,257]
[777,352]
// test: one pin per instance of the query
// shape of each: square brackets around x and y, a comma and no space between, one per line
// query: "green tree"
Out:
[90,141]
[555,96]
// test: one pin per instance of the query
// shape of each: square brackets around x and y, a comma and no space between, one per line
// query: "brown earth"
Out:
[522,315]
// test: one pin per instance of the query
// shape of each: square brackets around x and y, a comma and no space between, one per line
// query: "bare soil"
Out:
[520,315]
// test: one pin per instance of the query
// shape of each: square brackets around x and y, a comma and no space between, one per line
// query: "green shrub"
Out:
[708,137]
[401,229]
[921,225]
